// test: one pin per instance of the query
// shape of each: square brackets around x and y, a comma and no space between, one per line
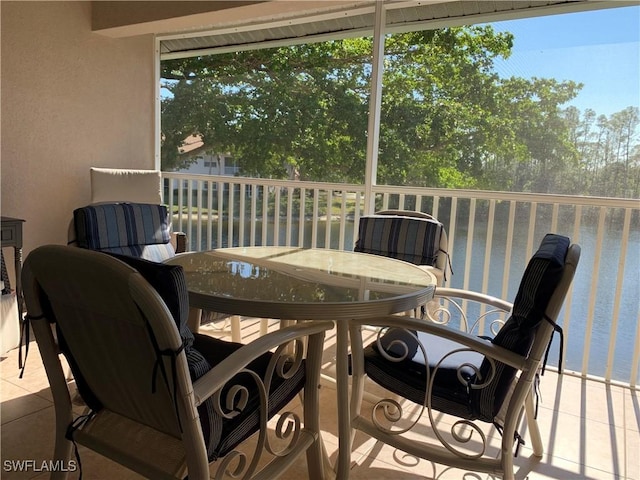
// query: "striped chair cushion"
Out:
[408,376]
[230,432]
[449,395]
[203,352]
[540,279]
[134,229]
[412,239]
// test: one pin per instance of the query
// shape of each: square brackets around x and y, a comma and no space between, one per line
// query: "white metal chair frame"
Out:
[452,448]
[177,448]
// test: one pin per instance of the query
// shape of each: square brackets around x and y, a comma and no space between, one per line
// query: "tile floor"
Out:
[591,431]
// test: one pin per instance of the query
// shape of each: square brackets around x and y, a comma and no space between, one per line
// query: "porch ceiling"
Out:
[357,18]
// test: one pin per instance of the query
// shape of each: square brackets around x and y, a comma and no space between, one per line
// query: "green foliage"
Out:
[448,120]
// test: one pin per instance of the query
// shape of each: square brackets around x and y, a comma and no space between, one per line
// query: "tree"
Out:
[275,110]
[305,108]
[608,150]
[448,120]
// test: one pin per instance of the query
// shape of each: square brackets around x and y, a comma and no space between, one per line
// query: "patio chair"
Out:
[112,187]
[136,229]
[161,401]
[94,226]
[407,235]
[474,381]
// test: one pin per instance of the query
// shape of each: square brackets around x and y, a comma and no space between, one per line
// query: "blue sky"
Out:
[600,49]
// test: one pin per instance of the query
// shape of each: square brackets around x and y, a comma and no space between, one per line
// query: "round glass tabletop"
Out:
[298,283]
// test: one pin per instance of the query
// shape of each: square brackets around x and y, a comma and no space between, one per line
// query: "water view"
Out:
[595,266]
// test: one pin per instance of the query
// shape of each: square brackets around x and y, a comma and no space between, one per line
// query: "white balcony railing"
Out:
[491,236]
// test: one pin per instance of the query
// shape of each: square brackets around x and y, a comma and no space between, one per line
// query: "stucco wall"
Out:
[71,99]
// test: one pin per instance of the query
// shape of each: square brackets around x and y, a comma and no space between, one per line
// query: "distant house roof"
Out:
[191,145]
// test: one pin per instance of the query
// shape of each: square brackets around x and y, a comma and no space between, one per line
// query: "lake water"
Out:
[607,261]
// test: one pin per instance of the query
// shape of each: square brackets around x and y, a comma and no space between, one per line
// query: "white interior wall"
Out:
[70,99]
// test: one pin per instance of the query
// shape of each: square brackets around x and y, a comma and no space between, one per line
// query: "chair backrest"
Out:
[416,238]
[135,229]
[528,330]
[406,213]
[115,185]
[116,331]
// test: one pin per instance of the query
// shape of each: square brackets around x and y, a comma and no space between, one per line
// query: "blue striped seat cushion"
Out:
[408,375]
[134,229]
[412,239]
[452,392]
[539,282]
[203,352]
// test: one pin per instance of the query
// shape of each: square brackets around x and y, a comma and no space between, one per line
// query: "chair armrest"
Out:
[179,241]
[470,341]
[218,376]
[453,382]
[473,296]
[494,310]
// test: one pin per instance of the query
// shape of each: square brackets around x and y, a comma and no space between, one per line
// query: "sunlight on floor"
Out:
[590,431]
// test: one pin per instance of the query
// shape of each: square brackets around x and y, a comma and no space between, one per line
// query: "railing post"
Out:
[373,129]
[489,242]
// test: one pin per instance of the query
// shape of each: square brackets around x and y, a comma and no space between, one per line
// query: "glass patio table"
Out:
[292,283]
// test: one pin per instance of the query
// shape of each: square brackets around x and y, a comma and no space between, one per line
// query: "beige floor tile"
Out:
[585,398]
[553,468]
[18,402]
[632,453]
[10,358]
[95,467]
[632,410]
[404,468]
[388,459]
[587,442]
[590,432]
[28,439]
[34,378]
